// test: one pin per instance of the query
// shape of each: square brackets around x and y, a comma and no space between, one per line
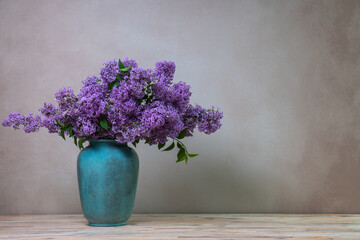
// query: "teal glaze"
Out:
[107,177]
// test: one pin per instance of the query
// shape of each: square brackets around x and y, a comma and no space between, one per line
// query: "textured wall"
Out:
[285,73]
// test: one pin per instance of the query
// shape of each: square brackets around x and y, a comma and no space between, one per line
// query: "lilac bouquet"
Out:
[128,104]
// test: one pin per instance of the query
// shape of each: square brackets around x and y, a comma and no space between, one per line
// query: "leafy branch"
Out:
[183,154]
[69,129]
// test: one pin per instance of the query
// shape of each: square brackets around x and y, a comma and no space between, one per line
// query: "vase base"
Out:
[107,224]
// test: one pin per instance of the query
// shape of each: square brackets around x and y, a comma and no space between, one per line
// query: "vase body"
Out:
[107,176]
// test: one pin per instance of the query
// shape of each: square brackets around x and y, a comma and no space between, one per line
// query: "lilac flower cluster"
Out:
[126,103]
[30,123]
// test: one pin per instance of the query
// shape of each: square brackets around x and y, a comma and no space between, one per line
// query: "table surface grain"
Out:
[185,226]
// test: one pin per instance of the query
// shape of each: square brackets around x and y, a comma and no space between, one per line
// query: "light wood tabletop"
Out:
[185,226]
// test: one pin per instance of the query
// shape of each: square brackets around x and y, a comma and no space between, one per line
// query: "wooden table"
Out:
[185,226]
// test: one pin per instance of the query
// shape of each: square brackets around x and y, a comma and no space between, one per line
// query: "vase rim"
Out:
[103,140]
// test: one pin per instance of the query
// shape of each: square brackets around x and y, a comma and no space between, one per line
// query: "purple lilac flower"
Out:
[14,120]
[209,120]
[50,113]
[65,98]
[31,123]
[164,71]
[144,104]
[109,71]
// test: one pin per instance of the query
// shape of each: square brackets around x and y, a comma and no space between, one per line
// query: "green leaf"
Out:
[63,133]
[75,141]
[69,129]
[112,84]
[124,69]
[171,147]
[147,140]
[179,145]
[121,65]
[118,77]
[192,155]
[59,124]
[135,142]
[161,145]
[181,155]
[104,124]
[80,143]
[182,134]
[138,100]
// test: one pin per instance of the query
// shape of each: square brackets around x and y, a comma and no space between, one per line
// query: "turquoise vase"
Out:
[107,177]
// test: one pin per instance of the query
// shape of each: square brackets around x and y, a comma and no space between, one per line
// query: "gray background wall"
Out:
[285,73]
